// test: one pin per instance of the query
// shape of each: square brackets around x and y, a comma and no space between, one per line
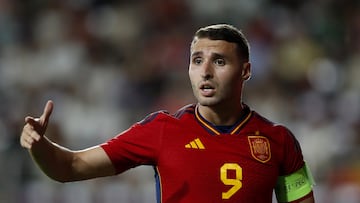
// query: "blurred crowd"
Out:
[107,64]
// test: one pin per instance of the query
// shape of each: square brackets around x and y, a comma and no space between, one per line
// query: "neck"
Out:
[221,115]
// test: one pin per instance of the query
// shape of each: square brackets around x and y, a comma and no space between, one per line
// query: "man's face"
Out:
[216,72]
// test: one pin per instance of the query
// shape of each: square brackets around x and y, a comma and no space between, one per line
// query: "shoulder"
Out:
[153,116]
[186,110]
[164,115]
[279,132]
[259,119]
[271,128]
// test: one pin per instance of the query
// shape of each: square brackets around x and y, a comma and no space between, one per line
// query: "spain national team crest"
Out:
[260,148]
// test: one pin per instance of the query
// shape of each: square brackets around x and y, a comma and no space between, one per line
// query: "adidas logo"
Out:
[196,144]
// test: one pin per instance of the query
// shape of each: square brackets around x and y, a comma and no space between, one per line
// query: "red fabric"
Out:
[243,164]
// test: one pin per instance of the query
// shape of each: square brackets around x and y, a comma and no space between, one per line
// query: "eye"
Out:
[197,60]
[220,62]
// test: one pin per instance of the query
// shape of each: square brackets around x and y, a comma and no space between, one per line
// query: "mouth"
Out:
[207,89]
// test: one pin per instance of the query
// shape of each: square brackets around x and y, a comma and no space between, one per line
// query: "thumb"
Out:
[44,118]
[40,124]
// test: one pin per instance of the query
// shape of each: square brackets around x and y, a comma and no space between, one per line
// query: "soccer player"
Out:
[217,150]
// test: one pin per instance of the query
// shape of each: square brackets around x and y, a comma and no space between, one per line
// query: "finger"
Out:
[29,134]
[44,118]
[35,136]
[29,131]
[25,140]
[25,144]
[32,121]
[28,138]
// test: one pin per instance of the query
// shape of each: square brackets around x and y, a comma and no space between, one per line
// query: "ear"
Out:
[246,71]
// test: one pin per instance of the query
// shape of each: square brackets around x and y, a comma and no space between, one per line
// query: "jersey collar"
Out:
[211,128]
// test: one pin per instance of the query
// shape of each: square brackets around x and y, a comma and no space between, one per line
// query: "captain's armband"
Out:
[294,186]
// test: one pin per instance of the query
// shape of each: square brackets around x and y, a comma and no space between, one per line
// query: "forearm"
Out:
[57,162]
[64,165]
[309,198]
[54,160]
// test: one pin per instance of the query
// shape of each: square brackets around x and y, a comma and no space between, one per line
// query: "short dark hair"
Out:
[227,33]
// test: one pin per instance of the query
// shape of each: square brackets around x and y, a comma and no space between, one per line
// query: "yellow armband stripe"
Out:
[294,186]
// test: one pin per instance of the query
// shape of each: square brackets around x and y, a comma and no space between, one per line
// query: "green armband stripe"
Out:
[294,186]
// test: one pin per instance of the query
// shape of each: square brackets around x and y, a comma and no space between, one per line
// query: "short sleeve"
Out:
[139,145]
[293,158]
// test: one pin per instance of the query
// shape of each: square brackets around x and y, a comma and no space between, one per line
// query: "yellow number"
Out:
[235,182]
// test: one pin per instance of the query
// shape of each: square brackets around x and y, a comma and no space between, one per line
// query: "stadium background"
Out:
[106,64]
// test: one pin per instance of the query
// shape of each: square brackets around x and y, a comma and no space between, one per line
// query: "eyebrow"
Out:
[216,55]
[197,53]
[213,55]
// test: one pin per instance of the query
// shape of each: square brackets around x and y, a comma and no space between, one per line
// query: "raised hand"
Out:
[35,128]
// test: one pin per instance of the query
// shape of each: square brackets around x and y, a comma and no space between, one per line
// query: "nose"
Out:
[207,71]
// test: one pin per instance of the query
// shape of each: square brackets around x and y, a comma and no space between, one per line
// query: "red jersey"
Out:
[195,162]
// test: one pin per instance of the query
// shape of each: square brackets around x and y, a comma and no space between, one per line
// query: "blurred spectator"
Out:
[107,63]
